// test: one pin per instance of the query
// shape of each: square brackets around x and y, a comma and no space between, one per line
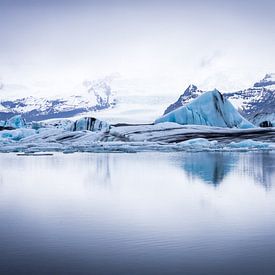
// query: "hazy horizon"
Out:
[166,45]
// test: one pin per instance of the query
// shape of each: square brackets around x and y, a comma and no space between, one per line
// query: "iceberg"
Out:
[92,135]
[90,124]
[63,123]
[198,143]
[15,122]
[211,109]
[250,144]
[15,135]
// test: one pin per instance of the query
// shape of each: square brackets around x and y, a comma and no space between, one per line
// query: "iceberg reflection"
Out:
[212,168]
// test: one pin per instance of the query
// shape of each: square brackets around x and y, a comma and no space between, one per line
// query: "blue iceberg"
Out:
[211,109]
[15,122]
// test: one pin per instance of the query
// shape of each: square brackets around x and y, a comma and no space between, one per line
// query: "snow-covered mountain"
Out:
[89,96]
[211,109]
[132,104]
[189,94]
[258,101]
[256,104]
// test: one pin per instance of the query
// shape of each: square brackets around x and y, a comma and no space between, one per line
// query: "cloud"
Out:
[209,60]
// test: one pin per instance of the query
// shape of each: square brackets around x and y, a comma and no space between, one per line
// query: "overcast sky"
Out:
[223,44]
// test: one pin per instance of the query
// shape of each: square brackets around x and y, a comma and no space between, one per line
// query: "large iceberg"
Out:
[212,109]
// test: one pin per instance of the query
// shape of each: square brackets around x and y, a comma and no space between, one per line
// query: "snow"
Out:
[133,109]
[212,109]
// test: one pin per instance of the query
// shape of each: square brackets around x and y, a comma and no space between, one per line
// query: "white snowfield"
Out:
[160,137]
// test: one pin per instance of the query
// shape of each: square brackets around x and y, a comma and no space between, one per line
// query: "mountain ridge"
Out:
[252,102]
[91,96]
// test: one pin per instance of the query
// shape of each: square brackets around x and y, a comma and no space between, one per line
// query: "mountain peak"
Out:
[268,80]
[190,89]
[188,95]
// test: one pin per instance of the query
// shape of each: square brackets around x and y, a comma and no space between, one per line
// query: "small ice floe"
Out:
[198,144]
[250,144]
[35,154]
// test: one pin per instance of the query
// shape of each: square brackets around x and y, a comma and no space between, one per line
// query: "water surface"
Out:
[144,213]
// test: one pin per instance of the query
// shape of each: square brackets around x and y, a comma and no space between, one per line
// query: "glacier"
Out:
[212,109]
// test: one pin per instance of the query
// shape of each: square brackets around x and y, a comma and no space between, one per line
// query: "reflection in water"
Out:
[145,213]
[214,167]
[260,166]
[210,167]
[99,169]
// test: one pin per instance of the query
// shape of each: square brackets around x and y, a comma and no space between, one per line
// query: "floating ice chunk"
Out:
[90,124]
[16,122]
[198,143]
[249,143]
[36,125]
[61,123]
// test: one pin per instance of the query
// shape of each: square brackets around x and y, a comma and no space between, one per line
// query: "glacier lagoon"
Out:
[142,213]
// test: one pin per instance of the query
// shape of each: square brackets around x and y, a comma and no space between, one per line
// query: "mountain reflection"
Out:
[212,168]
[260,165]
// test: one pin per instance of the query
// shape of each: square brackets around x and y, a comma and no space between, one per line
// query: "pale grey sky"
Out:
[223,44]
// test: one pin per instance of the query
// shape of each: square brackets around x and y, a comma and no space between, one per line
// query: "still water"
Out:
[144,213]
